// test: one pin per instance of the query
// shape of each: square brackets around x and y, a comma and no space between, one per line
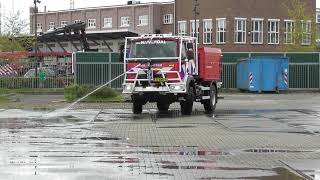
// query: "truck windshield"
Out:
[155,48]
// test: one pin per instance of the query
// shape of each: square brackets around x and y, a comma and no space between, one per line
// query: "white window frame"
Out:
[257,33]
[143,20]
[192,29]
[52,25]
[92,23]
[240,32]
[306,32]
[107,22]
[275,31]
[168,19]
[182,30]
[39,27]
[289,30]
[221,30]
[63,23]
[125,21]
[77,21]
[318,17]
[207,31]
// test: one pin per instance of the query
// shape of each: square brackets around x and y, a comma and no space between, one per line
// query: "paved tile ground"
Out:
[249,137]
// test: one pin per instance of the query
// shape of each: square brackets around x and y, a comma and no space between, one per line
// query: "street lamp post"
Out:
[36,40]
[196,12]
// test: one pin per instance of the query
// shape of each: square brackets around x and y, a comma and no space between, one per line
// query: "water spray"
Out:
[92,92]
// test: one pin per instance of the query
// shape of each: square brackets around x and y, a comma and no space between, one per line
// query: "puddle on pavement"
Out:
[259,150]
[159,174]
[283,174]
[101,138]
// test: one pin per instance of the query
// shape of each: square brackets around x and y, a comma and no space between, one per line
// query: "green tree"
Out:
[14,24]
[304,26]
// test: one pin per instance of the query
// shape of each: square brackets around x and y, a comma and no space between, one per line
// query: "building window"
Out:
[64,23]
[273,31]
[288,31]
[182,28]
[107,23]
[168,19]
[143,20]
[77,21]
[257,31]
[193,29]
[221,30]
[240,30]
[318,17]
[92,23]
[51,25]
[125,21]
[39,27]
[306,32]
[207,31]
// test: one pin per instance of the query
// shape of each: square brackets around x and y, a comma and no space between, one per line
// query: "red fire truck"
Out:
[166,69]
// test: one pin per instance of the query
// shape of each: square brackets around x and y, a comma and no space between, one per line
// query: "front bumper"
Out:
[175,88]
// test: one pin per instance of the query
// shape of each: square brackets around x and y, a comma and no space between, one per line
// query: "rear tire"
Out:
[210,105]
[187,105]
[137,107]
[163,107]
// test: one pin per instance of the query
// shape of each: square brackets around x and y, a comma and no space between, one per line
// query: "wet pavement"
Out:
[249,137]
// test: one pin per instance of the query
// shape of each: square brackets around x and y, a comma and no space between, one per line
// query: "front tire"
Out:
[210,105]
[187,105]
[137,107]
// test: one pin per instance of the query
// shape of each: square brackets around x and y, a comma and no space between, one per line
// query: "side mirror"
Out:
[190,54]
[121,57]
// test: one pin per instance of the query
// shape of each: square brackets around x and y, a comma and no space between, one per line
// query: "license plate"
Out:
[160,79]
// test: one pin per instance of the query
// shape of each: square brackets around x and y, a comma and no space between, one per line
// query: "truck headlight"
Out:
[128,87]
[177,87]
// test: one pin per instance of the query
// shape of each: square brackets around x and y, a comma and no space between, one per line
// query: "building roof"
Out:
[105,7]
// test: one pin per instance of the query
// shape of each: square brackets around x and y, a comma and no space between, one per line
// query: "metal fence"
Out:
[21,74]
[99,68]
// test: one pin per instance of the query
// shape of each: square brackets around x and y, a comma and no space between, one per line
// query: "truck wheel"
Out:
[163,107]
[210,105]
[186,106]
[137,107]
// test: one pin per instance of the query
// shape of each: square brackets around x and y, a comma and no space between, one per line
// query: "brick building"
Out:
[105,22]
[240,26]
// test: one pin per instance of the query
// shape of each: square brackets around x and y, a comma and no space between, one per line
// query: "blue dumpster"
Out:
[266,74]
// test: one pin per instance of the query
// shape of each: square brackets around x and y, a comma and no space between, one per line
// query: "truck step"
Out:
[205,97]
[204,88]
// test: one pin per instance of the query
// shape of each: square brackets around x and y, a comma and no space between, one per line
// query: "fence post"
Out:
[319,70]
[110,69]
[308,79]
[75,66]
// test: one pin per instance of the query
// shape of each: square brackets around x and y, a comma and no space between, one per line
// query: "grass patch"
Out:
[38,91]
[106,94]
